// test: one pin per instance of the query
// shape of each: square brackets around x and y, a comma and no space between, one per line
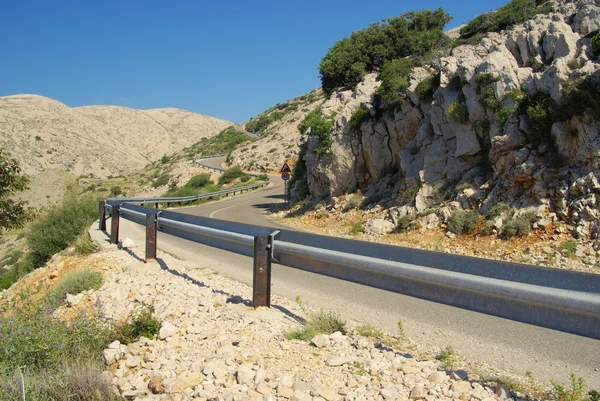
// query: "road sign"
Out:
[285,176]
[285,169]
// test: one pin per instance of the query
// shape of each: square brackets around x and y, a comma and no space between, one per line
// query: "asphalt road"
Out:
[503,344]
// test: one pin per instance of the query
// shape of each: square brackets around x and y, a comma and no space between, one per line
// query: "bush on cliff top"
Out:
[314,124]
[410,34]
[513,13]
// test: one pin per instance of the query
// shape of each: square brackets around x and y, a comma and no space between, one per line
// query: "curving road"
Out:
[504,344]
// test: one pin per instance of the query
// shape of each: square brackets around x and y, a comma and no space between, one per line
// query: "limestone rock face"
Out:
[420,147]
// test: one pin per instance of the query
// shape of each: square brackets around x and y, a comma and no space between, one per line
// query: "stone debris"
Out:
[209,349]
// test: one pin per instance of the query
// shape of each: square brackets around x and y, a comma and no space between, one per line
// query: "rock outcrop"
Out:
[432,146]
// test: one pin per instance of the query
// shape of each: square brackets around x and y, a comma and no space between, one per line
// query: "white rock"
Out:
[127,243]
[337,360]
[320,340]
[73,300]
[167,330]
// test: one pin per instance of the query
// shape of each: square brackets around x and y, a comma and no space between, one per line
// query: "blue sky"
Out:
[228,59]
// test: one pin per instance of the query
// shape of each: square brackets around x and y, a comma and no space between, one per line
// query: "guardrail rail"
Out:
[557,299]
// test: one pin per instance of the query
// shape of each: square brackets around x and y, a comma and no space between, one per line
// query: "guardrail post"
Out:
[102,217]
[261,283]
[151,229]
[114,224]
[156,204]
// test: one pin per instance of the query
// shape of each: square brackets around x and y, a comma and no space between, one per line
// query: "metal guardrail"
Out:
[557,299]
[181,199]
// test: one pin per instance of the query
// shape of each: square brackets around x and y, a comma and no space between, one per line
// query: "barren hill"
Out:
[44,134]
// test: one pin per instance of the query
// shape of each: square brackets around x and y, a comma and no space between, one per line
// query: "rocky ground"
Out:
[213,346]
[543,246]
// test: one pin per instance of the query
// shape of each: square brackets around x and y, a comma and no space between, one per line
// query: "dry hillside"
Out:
[44,134]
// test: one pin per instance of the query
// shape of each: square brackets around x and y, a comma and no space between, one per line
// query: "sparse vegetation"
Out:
[320,322]
[574,393]
[427,87]
[316,125]
[447,357]
[141,323]
[165,159]
[161,181]
[518,225]
[75,282]
[463,222]
[406,223]
[513,13]
[568,248]
[230,175]
[357,227]
[224,142]
[359,117]
[458,112]
[596,44]
[115,191]
[368,330]
[353,203]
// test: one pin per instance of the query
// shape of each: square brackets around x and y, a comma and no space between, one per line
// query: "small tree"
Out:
[13,213]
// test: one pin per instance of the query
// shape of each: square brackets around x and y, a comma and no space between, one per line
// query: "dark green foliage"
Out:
[596,44]
[463,222]
[579,98]
[11,258]
[161,181]
[537,110]
[411,34]
[394,79]
[199,181]
[515,12]
[359,117]
[316,125]
[115,191]
[245,178]
[262,177]
[484,80]
[489,101]
[299,191]
[224,142]
[60,227]
[458,112]
[259,124]
[406,223]
[230,175]
[140,324]
[427,87]
[165,159]
[13,213]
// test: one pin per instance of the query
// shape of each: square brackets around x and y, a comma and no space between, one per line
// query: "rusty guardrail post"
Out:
[151,230]
[102,217]
[114,224]
[261,283]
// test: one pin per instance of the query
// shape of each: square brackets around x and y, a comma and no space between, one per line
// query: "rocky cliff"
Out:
[506,120]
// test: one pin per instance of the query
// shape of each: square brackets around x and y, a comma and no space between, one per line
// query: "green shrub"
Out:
[447,357]
[165,159]
[394,79]
[318,323]
[464,186]
[140,324]
[61,226]
[497,210]
[353,203]
[316,125]
[245,178]
[224,142]
[199,181]
[262,177]
[575,393]
[489,101]
[161,181]
[405,223]
[75,282]
[115,191]
[596,44]
[368,330]
[568,248]
[85,246]
[357,227]
[519,225]
[427,87]
[463,222]
[538,114]
[488,228]
[230,175]
[515,12]
[410,34]
[458,112]
[484,80]
[359,117]
[11,258]
[580,97]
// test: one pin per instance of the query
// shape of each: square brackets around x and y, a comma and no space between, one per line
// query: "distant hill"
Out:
[44,134]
